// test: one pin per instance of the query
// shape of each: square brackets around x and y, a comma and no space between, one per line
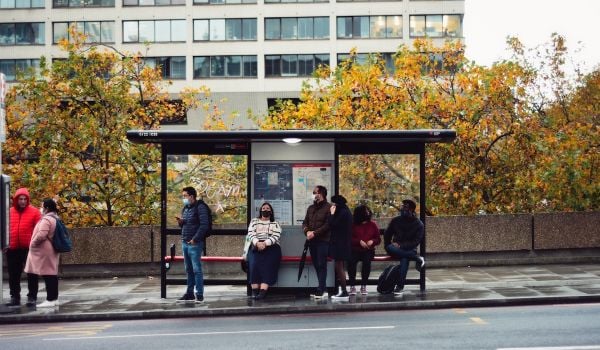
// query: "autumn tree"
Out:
[567,103]
[67,133]
[497,157]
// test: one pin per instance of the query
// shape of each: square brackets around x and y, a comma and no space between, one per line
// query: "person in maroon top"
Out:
[23,218]
[365,236]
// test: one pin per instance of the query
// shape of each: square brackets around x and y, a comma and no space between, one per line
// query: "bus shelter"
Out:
[236,171]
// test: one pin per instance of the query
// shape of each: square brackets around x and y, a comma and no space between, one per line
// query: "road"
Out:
[572,327]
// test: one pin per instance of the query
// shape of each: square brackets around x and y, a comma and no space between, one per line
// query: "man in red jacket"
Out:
[23,217]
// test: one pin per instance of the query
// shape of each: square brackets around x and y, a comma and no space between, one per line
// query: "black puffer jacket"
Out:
[407,232]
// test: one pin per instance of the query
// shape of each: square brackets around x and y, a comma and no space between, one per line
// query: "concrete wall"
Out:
[104,245]
[566,230]
[497,234]
[483,233]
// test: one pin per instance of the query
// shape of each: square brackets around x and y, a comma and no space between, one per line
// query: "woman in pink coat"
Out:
[42,259]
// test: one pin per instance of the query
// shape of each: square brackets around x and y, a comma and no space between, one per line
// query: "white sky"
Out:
[487,23]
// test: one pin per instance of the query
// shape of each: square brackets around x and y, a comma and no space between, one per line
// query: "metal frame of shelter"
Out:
[240,143]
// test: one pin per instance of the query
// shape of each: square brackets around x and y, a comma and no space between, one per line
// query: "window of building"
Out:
[95,31]
[223,2]
[453,26]
[83,3]
[293,65]
[22,4]
[364,58]
[438,63]
[22,33]
[272,101]
[154,31]
[365,27]
[152,2]
[235,66]
[171,67]
[294,28]
[11,68]
[231,29]
[436,26]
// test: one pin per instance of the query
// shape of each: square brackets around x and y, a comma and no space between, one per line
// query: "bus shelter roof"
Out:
[245,136]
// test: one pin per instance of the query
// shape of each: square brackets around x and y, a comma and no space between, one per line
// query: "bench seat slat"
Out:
[283,258]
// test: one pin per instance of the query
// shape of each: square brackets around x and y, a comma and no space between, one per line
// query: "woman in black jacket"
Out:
[340,224]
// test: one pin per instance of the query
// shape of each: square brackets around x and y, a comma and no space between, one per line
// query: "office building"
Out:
[250,52]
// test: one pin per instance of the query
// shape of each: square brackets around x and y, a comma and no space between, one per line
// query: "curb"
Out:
[273,310]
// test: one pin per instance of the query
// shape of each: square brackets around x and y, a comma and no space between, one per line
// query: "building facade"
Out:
[248,52]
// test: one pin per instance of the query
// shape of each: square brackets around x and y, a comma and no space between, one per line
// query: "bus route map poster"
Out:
[306,176]
[288,188]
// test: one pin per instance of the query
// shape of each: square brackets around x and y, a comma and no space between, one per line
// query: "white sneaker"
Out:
[318,295]
[420,263]
[341,296]
[48,303]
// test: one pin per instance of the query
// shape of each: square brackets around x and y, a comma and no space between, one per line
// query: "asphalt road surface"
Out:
[568,326]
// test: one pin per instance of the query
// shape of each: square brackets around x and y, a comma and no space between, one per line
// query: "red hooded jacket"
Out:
[22,221]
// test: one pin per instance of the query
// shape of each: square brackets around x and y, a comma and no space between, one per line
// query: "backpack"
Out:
[61,241]
[210,218]
[388,279]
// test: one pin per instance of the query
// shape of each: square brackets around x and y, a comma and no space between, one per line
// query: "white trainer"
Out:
[48,303]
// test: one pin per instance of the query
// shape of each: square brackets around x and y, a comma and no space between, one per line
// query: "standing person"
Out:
[42,259]
[401,238]
[265,252]
[340,224]
[194,223]
[365,237]
[316,229]
[23,218]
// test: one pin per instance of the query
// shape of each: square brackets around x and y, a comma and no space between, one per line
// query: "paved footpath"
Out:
[139,297]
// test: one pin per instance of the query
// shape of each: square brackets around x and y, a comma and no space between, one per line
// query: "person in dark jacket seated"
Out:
[401,238]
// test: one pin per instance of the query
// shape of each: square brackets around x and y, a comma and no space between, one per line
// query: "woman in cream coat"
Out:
[42,259]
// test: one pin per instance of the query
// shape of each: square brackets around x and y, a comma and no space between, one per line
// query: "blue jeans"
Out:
[404,255]
[193,267]
[319,251]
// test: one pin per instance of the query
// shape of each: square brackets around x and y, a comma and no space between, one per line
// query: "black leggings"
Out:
[365,257]
[51,282]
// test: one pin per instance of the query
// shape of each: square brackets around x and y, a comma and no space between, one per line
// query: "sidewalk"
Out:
[139,298]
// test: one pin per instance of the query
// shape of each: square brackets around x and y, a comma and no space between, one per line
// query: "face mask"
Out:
[314,197]
[186,201]
[265,213]
[405,213]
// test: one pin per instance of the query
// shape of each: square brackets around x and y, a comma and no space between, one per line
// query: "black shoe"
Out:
[199,298]
[31,301]
[398,291]
[185,298]
[342,295]
[261,295]
[14,302]
[254,293]
[420,264]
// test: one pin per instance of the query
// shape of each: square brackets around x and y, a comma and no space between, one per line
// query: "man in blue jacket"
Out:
[194,223]
[401,238]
